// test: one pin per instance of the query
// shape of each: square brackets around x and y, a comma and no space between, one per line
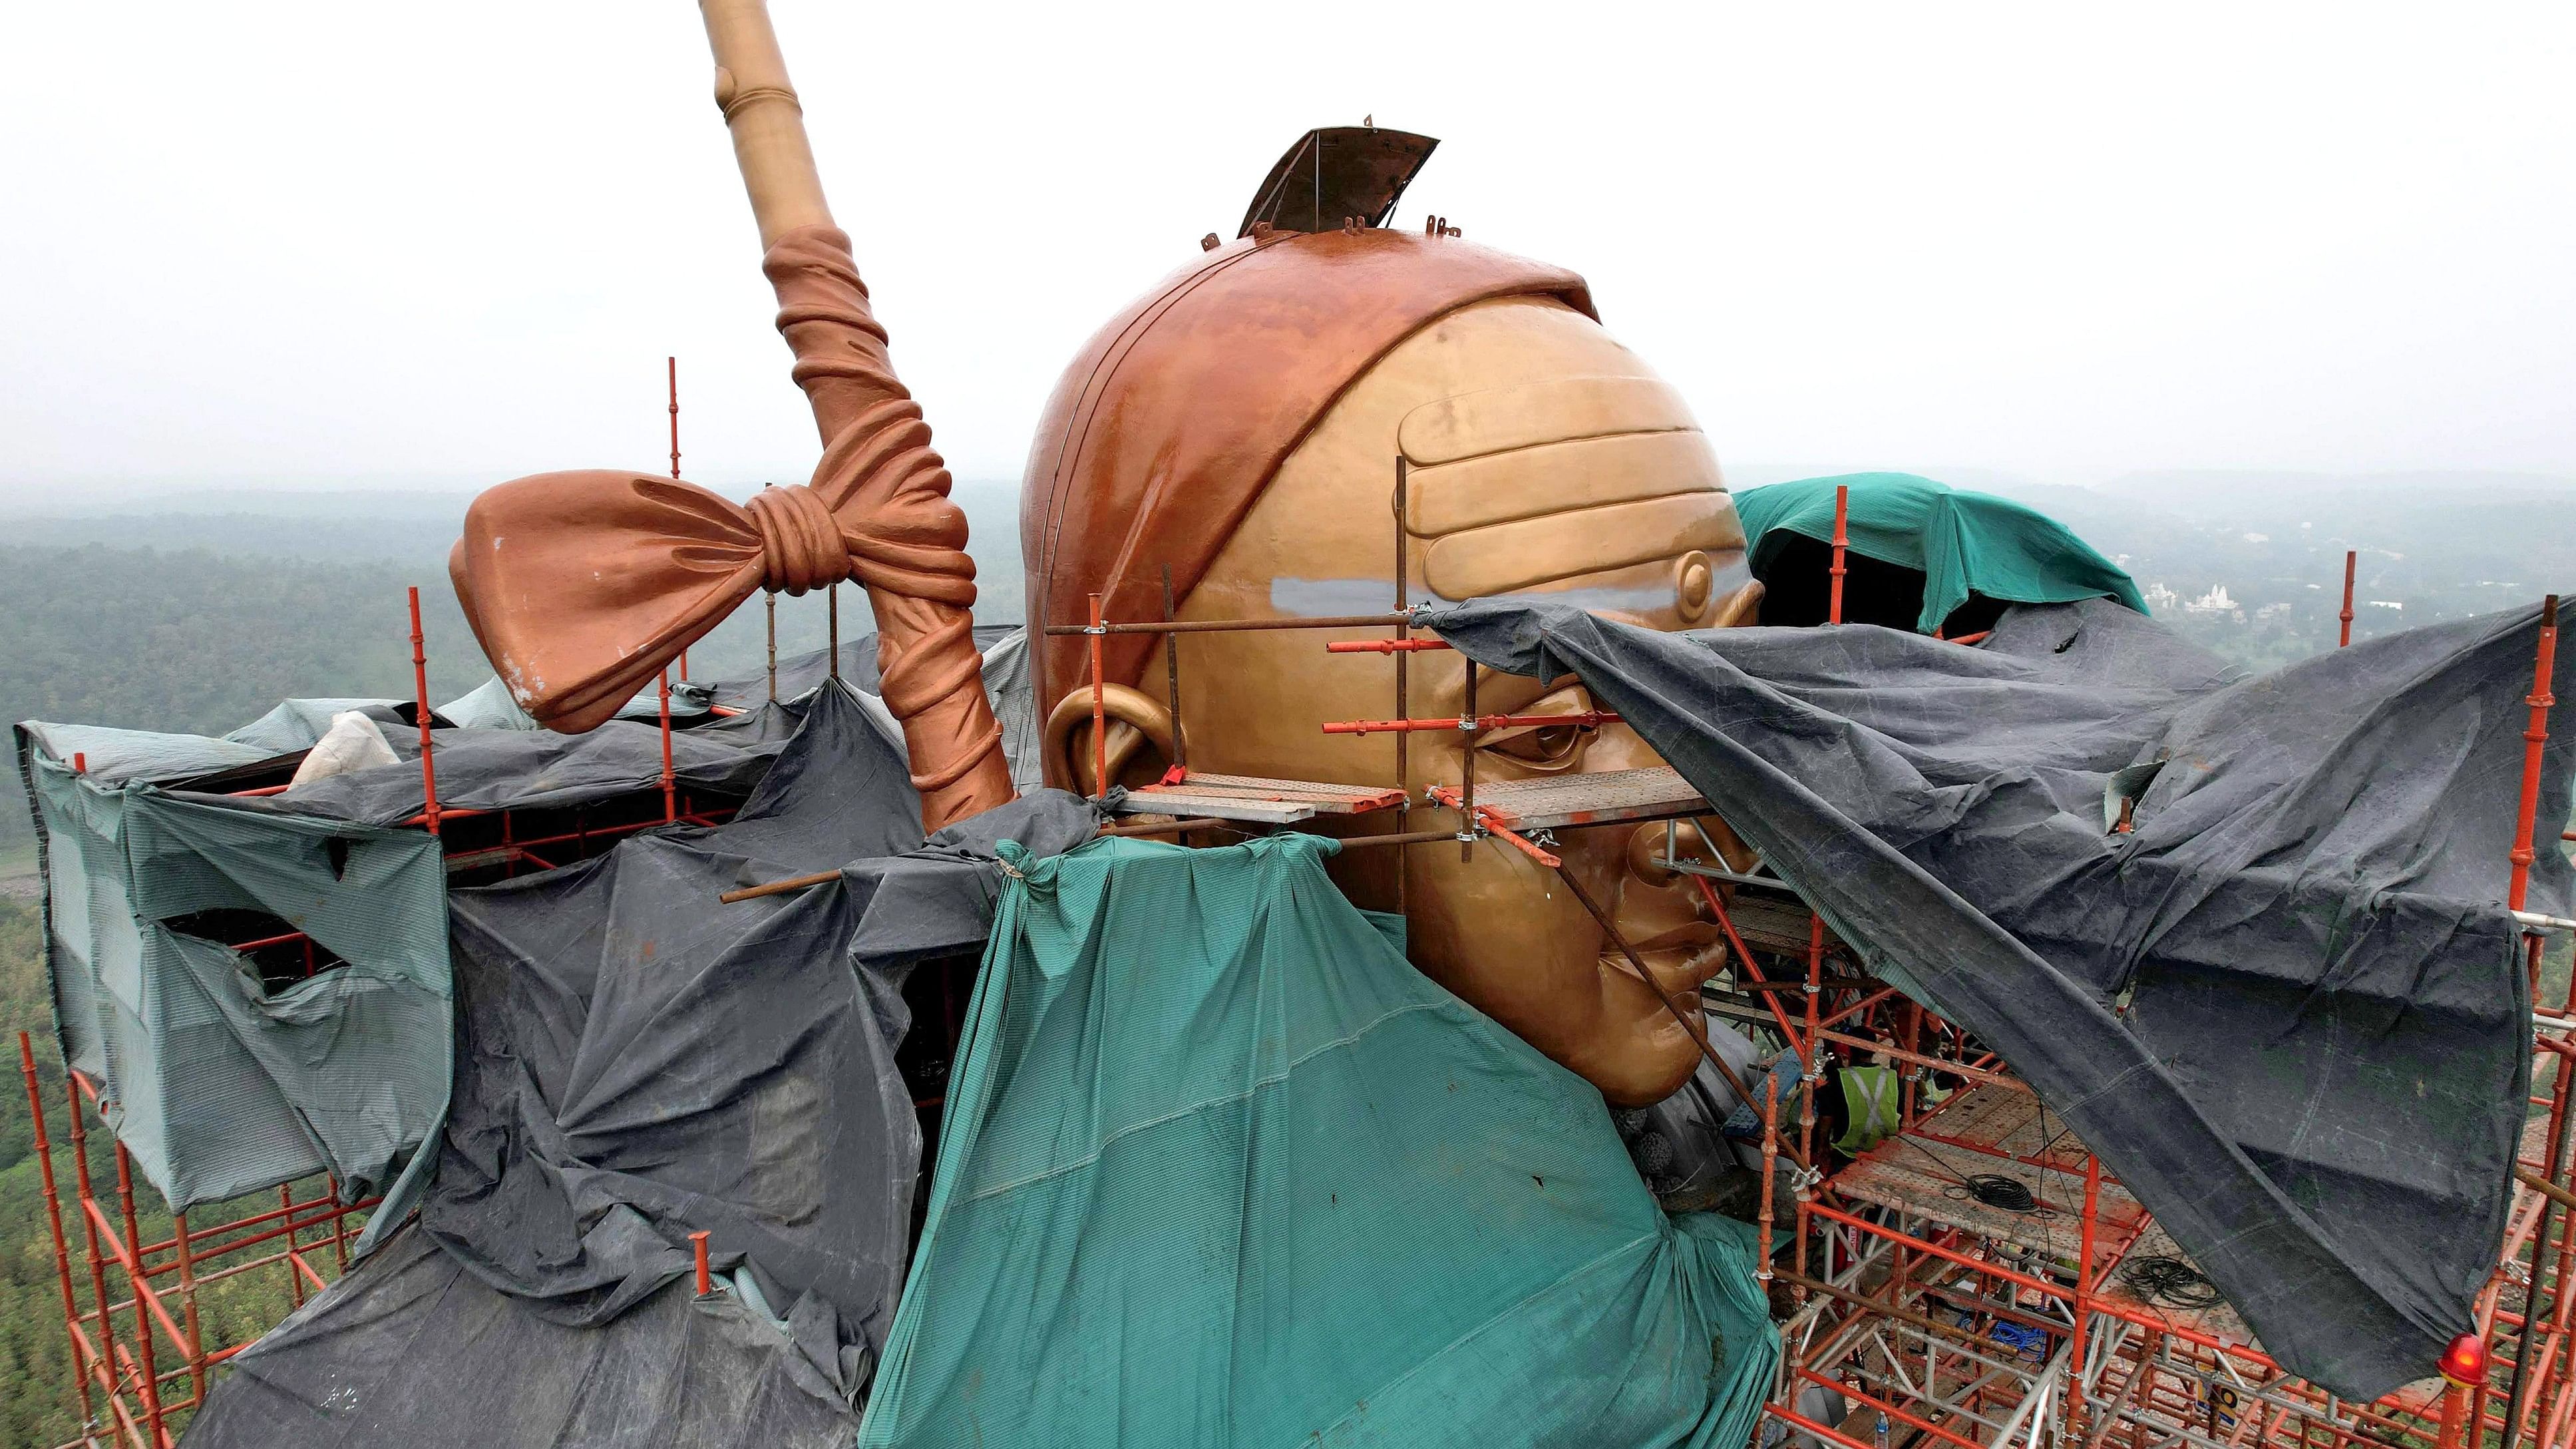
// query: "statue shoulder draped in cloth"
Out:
[1243,424]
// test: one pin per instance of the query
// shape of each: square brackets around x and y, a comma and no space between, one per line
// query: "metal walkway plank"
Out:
[1548,801]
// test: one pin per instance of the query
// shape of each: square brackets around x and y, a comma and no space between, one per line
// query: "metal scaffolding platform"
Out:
[1553,802]
[1257,800]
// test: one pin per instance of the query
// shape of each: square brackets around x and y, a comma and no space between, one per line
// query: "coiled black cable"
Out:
[1994,1189]
[1998,1191]
[2170,1282]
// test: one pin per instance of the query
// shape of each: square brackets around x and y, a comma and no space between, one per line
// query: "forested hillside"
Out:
[191,640]
[34,1361]
[195,641]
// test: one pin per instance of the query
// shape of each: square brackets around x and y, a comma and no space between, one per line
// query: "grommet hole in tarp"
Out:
[280,955]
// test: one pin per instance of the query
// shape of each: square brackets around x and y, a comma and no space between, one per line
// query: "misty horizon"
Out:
[315,248]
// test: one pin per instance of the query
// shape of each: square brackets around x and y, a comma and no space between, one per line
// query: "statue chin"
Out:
[1542,458]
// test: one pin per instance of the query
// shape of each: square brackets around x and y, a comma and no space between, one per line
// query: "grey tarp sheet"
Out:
[299,724]
[117,756]
[217,1085]
[489,769]
[637,1061]
[1006,680]
[2289,1010]
[291,728]
[369,1363]
[489,705]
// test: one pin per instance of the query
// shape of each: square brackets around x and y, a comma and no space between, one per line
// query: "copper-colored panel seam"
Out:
[1556,410]
[1541,480]
[1533,551]
[1167,429]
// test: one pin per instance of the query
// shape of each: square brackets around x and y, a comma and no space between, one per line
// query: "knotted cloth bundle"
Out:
[582,586]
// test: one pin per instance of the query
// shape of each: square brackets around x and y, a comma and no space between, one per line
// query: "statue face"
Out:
[1544,459]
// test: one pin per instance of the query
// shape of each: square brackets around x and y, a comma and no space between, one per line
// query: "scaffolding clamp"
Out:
[1484,822]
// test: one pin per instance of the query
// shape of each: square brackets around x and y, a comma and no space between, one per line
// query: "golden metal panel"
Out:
[1551,477]
[1519,555]
[1549,410]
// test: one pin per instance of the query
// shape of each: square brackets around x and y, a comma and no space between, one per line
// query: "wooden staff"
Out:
[876,448]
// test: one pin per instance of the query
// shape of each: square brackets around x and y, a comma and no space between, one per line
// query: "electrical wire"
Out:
[1994,1189]
[2170,1282]
[2011,1194]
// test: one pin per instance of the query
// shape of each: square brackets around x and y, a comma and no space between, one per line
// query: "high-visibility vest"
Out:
[1869,1095]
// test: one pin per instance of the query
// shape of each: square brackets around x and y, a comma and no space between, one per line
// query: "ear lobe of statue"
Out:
[1137,722]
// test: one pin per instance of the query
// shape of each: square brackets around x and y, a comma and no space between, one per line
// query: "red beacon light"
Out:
[2464,1363]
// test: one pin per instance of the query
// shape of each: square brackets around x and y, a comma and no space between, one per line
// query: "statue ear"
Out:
[1139,737]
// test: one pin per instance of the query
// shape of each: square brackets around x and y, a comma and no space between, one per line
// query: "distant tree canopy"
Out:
[196,642]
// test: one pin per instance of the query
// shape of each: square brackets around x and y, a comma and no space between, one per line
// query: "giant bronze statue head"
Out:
[1243,424]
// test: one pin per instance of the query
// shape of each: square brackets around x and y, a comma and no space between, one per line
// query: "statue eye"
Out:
[1544,746]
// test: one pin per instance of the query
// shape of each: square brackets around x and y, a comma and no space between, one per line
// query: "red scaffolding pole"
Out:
[674,365]
[147,1374]
[1842,544]
[420,704]
[2351,557]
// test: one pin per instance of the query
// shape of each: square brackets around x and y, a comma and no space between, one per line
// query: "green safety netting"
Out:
[220,1082]
[1219,1167]
[1962,543]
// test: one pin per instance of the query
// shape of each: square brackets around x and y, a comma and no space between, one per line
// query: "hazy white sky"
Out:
[327,244]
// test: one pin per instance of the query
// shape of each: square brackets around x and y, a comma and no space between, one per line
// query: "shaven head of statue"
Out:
[1243,425]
